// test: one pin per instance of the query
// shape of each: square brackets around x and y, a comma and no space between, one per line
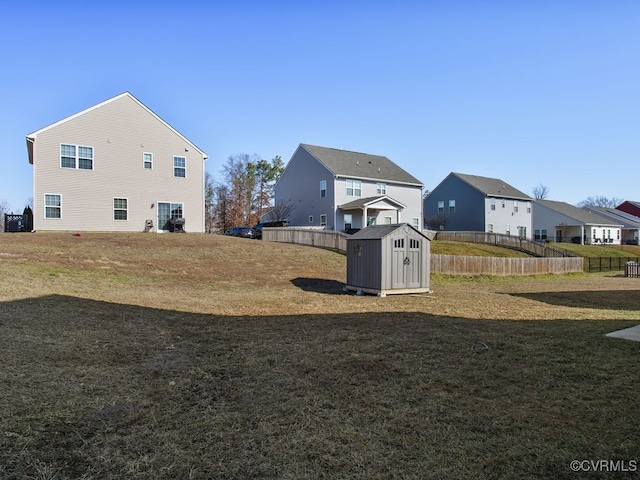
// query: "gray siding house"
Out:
[116,166]
[343,190]
[464,202]
[565,223]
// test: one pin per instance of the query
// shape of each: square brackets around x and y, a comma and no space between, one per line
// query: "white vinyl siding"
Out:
[127,130]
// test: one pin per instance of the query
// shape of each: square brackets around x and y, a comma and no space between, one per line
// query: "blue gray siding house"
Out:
[343,190]
[463,202]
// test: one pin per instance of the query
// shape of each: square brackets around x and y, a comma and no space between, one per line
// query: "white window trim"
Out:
[76,158]
[49,206]
[323,220]
[144,161]
[356,185]
[120,209]
[381,188]
[183,168]
[323,188]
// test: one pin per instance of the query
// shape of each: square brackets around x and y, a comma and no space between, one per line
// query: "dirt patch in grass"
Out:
[195,356]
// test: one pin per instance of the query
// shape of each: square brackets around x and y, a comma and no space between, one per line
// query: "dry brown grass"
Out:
[195,356]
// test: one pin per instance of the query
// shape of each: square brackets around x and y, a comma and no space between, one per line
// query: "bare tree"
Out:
[436,222]
[600,201]
[540,192]
[209,203]
[281,211]
[221,212]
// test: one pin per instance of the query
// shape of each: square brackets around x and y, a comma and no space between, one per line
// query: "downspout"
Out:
[335,207]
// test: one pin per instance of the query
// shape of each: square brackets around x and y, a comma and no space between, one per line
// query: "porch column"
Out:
[364,217]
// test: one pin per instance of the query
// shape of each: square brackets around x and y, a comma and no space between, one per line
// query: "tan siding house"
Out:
[116,166]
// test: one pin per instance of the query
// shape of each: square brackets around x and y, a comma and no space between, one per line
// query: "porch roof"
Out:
[379,202]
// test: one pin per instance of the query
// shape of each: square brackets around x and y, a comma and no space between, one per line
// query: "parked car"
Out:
[246,232]
[257,230]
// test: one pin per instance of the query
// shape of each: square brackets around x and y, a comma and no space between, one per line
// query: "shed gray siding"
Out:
[388,259]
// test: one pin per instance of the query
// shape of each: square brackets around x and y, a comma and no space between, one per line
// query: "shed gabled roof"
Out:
[579,214]
[373,232]
[31,137]
[492,187]
[344,163]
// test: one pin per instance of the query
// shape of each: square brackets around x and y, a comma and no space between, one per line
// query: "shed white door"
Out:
[406,263]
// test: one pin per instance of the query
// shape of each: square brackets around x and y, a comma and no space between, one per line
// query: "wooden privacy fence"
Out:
[446,264]
[307,236]
[473,265]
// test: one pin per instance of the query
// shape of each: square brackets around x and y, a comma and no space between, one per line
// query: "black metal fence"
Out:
[607,264]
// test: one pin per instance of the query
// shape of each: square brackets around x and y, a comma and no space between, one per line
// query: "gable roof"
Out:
[626,219]
[368,201]
[491,187]
[373,232]
[31,137]
[581,215]
[344,163]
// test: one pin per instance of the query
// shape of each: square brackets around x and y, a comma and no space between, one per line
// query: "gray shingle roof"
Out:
[492,187]
[360,165]
[625,219]
[581,215]
[373,232]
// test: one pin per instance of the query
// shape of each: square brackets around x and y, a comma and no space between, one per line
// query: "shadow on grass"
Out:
[606,299]
[93,389]
[319,285]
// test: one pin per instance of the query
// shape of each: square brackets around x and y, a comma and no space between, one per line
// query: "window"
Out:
[515,206]
[414,243]
[52,206]
[440,207]
[179,167]
[507,229]
[528,207]
[387,220]
[323,188]
[490,228]
[76,157]
[493,203]
[381,188]
[415,221]
[371,221]
[354,188]
[85,158]
[120,209]
[323,220]
[398,243]
[452,206]
[503,203]
[147,161]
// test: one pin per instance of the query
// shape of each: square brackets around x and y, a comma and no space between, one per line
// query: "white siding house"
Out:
[116,166]
[563,222]
[343,190]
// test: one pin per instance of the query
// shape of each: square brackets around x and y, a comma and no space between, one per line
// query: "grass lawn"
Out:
[149,356]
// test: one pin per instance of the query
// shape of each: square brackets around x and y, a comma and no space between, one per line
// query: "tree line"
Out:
[244,193]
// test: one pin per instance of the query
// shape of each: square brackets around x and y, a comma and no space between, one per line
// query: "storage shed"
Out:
[388,259]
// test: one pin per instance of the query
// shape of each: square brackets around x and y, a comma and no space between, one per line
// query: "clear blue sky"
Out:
[538,92]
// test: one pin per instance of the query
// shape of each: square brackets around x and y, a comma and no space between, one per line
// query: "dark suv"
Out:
[257,230]
[246,232]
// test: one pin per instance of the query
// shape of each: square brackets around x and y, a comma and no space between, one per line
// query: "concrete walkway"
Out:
[632,333]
